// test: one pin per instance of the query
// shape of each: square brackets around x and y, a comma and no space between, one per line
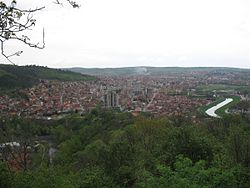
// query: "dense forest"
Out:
[14,77]
[106,148]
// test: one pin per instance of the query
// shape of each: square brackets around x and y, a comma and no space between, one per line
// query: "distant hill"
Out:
[12,76]
[149,70]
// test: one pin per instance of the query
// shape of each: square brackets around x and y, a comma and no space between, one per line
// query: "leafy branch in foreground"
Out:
[13,21]
[72,3]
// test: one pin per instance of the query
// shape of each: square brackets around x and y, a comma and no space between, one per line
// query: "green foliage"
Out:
[44,178]
[112,149]
[95,178]
[5,175]
[67,148]
[12,76]
[238,144]
[192,142]
[220,111]
[186,174]
[18,130]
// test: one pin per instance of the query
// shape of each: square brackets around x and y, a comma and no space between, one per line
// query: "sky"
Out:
[124,33]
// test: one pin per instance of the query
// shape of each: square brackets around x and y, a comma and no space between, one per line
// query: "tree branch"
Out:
[72,3]
[13,21]
[11,25]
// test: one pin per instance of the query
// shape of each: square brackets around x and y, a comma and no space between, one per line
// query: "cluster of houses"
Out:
[169,94]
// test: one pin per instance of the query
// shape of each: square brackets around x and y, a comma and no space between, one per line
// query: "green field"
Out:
[221,112]
[202,110]
[222,88]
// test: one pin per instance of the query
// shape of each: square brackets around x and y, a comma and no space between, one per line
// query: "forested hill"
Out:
[126,71]
[105,148]
[12,76]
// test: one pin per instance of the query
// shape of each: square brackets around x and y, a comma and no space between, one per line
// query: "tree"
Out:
[17,142]
[5,175]
[14,21]
[238,145]
[186,174]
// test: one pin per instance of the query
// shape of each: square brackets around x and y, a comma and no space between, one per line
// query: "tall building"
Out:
[111,99]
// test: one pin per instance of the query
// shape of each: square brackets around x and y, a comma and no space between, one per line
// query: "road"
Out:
[211,111]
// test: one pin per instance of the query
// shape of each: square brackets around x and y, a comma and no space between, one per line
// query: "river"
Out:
[211,111]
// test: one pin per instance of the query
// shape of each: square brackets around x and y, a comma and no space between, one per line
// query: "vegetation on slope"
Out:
[12,76]
[125,71]
[112,149]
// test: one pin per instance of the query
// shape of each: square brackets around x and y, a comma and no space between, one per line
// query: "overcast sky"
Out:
[118,33]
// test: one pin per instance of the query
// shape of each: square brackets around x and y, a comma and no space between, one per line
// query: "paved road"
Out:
[211,111]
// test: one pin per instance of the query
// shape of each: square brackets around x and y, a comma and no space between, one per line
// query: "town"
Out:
[159,95]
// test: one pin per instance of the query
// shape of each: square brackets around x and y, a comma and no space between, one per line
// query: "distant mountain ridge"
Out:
[148,70]
[12,76]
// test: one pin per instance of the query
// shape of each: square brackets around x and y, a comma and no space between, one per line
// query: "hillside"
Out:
[105,148]
[150,70]
[12,76]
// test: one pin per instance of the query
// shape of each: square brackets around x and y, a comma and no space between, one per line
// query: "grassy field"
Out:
[202,110]
[221,112]
[222,88]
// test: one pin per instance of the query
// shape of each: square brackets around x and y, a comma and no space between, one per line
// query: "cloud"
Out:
[183,58]
[141,32]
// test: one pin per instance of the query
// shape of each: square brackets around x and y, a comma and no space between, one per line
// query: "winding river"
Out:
[211,111]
